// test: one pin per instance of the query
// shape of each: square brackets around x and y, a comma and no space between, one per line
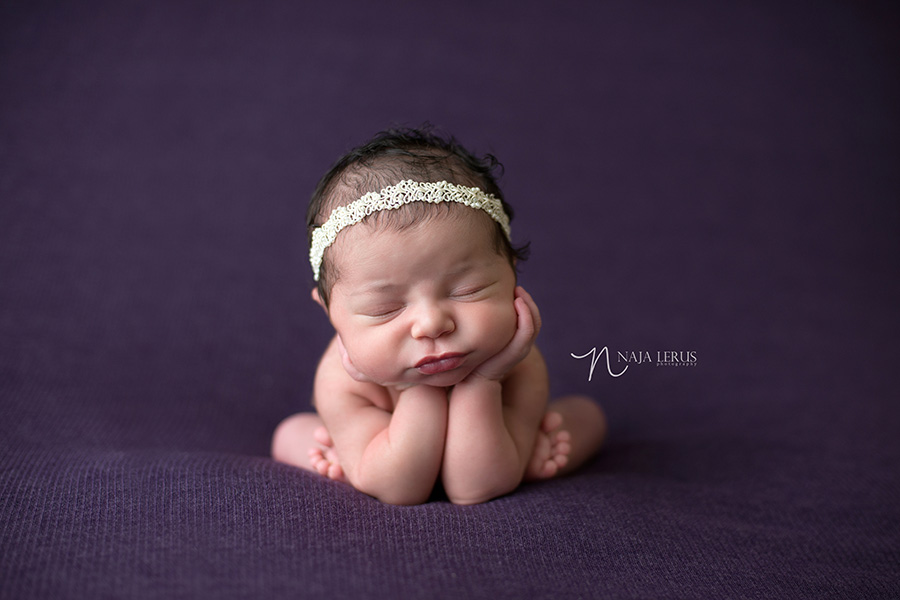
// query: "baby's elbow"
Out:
[402,499]
[402,494]
[477,495]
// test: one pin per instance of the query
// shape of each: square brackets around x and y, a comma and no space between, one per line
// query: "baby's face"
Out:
[424,305]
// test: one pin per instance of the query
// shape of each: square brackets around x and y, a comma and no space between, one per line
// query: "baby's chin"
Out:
[448,379]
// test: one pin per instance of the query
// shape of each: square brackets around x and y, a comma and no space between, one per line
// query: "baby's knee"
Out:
[582,409]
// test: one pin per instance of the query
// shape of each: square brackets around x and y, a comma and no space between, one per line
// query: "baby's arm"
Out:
[393,456]
[494,416]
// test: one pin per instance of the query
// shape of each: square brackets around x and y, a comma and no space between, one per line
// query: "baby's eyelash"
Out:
[468,291]
[380,313]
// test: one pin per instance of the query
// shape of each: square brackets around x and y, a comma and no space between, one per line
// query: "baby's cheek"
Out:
[364,353]
[379,353]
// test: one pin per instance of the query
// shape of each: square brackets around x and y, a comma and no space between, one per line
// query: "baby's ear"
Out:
[318,299]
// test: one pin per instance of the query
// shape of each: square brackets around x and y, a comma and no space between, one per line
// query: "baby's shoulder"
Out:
[334,386]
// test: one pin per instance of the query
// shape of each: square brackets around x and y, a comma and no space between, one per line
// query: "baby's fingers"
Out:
[528,323]
[532,309]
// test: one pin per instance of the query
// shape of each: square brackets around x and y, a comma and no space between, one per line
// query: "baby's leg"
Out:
[570,433]
[301,440]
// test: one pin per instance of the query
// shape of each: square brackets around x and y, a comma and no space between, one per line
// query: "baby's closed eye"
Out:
[381,311]
[471,292]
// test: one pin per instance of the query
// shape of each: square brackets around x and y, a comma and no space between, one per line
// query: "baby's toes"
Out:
[320,465]
[318,461]
[549,468]
[334,465]
[335,472]
[539,456]
[541,450]
[560,460]
[562,443]
[552,420]
[322,436]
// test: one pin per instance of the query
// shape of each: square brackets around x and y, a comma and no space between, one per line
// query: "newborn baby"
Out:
[433,373]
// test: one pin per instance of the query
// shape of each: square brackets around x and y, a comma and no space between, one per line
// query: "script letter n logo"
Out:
[595,356]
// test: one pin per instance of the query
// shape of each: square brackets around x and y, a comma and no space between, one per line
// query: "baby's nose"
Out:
[432,321]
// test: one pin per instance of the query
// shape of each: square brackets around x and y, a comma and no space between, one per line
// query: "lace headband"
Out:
[395,196]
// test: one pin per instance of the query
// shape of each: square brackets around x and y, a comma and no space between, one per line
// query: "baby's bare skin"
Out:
[302,440]
[549,456]
[473,412]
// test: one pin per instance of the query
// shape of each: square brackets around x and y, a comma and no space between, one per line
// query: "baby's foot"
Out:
[551,448]
[324,460]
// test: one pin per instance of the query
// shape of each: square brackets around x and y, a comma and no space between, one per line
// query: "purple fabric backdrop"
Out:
[716,178]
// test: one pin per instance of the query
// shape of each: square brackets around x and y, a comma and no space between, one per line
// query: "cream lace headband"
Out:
[395,196]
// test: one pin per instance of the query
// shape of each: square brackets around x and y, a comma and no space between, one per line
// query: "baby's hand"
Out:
[528,324]
[352,371]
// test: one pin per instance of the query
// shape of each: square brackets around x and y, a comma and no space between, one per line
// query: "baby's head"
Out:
[408,155]
[409,240]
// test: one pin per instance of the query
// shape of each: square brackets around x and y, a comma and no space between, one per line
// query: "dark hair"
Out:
[390,157]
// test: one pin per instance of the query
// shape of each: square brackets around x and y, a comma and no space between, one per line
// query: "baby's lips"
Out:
[432,365]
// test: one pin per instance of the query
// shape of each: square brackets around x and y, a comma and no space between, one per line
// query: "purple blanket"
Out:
[711,194]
